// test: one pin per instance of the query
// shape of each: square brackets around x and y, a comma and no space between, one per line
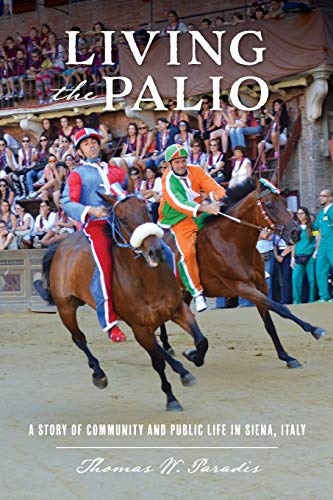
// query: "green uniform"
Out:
[305,246]
[324,223]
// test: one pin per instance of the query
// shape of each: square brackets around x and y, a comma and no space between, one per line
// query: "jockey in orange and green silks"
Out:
[182,209]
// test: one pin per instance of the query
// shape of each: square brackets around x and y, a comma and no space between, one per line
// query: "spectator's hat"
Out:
[175,151]
[86,133]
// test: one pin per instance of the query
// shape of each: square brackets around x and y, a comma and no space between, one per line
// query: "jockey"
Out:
[82,202]
[181,202]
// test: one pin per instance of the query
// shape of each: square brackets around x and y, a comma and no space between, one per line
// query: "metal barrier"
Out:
[18,270]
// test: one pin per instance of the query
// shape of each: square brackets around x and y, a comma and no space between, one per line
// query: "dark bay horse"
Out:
[145,290]
[229,263]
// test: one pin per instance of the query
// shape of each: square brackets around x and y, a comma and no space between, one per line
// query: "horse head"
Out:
[131,227]
[273,210]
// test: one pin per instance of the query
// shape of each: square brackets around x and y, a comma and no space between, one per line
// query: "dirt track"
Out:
[45,380]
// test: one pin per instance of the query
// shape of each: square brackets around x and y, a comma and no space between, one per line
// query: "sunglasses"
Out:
[205,102]
[142,128]
[133,173]
[42,140]
[213,144]
[25,140]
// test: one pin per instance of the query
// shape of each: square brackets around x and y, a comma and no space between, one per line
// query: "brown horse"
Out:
[145,296]
[230,266]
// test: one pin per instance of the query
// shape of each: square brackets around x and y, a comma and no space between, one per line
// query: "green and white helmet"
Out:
[175,151]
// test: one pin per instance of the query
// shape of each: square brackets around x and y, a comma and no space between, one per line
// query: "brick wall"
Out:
[118,14]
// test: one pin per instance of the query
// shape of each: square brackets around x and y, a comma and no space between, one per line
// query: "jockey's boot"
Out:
[200,302]
[116,335]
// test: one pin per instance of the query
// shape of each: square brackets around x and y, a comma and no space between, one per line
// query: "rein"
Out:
[273,227]
[117,235]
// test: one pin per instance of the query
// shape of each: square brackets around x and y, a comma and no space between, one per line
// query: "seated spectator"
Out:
[135,181]
[173,24]
[302,261]
[8,161]
[80,122]
[12,143]
[34,65]
[79,73]
[221,120]
[144,144]
[44,33]
[164,138]
[6,192]
[45,224]
[275,10]
[205,23]
[206,119]
[25,226]
[174,117]
[26,160]
[151,190]
[129,147]
[17,74]
[241,167]
[259,14]
[95,123]
[278,134]
[49,130]
[253,7]
[185,136]
[30,42]
[197,155]
[7,216]
[10,49]
[245,124]
[7,238]
[41,159]
[54,175]
[65,128]
[214,165]
[237,18]
[219,21]
[191,27]
[52,66]
[64,226]
[97,70]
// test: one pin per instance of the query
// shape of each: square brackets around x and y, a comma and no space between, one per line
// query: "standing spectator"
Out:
[44,33]
[266,249]
[65,128]
[27,160]
[173,24]
[3,77]
[135,181]
[206,119]
[36,173]
[241,167]
[302,261]
[30,42]
[282,254]
[324,247]
[25,226]
[45,79]
[197,155]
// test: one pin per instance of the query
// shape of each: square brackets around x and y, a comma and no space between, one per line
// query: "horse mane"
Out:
[238,192]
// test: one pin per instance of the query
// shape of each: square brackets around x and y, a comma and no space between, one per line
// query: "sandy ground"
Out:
[45,380]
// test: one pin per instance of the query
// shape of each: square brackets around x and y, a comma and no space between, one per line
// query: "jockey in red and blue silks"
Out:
[82,202]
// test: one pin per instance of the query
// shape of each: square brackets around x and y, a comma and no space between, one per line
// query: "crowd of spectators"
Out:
[39,56]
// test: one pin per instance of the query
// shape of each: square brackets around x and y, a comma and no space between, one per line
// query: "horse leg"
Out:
[270,328]
[186,320]
[165,340]
[67,313]
[248,291]
[148,342]
[186,377]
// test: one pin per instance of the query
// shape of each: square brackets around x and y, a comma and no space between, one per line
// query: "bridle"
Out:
[275,228]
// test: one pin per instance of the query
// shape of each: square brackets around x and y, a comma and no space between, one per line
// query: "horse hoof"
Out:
[101,383]
[294,364]
[171,351]
[318,333]
[190,354]
[174,406]
[188,380]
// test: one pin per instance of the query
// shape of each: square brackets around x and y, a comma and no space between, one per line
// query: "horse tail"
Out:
[43,286]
